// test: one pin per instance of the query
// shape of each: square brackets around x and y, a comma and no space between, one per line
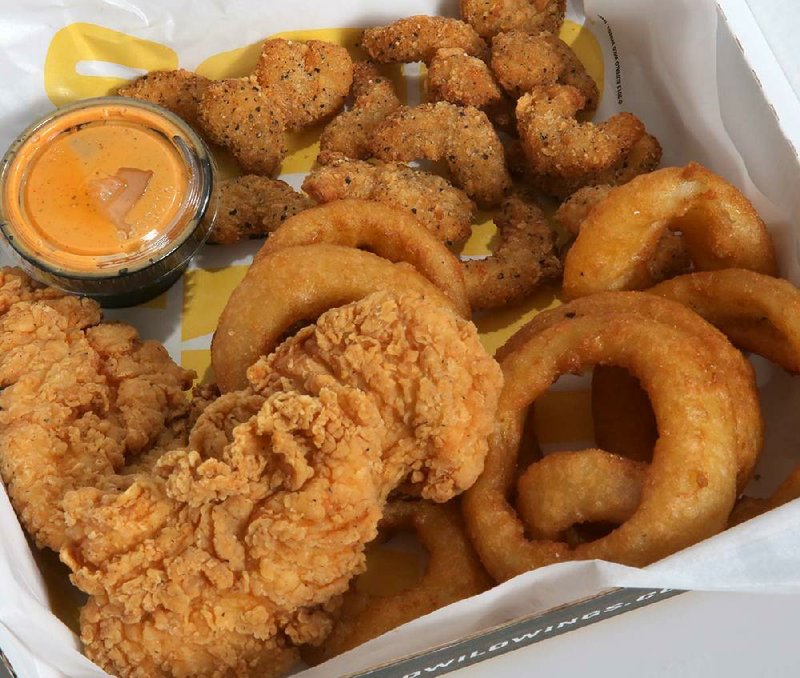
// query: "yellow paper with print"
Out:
[206,290]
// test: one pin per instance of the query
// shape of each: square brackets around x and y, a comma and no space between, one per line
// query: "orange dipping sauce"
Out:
[106,188]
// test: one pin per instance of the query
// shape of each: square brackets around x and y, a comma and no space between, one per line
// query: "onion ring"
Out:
[738,372]
[691,483]
[570,488]
[300,284]
[387,231]
[757,312]
[453,572]
[617,239]
[750,507]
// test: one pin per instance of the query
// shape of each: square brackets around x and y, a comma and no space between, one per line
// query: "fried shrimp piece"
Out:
[670,258]
[217,566]
[77,398]
[521,62]
[178,91]
[459,78]
[557,144]
[374,98]
[490,17]
[463,136]
[442,208]
[417,38]
[252,207]
[246,119]
[308,80]
[524,259]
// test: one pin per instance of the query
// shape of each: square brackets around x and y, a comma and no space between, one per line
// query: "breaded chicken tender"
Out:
[219,565]
[77,398]
[248,120]
[524,258]
[417,38]
[522,61]
[557,145]
[461,135]
[670,258]
[444,209]
[462,79]
[490,17]
[178,91]
[308,80]
[252,207]
[374,98]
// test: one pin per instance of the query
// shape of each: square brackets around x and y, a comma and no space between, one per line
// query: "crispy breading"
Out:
[459,78]
[521,62]
[252,206]
[557,145]
[461,135]
[416,38]
[444,209]
[308,80]
[178,91]
[77,398]
[248,120]
[490,17]
[373,99]
[524,258]
[218,565]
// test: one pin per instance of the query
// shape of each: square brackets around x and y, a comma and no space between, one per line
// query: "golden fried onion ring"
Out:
[720,228]
[453,572]
[691,482]
[295,285]
[387,231]
[569,488]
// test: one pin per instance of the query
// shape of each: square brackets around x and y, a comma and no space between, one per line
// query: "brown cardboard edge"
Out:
[518,633]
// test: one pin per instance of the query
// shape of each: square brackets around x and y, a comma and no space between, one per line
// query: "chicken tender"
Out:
[490,17]
[456,77]
[521,62]
[178,91]
[252,207]
[350,133]
[308,80]
[463,136]
[441,207]
[524,258]
[557,145]
[248,120]
[220,565]
[417,38]
[77,398]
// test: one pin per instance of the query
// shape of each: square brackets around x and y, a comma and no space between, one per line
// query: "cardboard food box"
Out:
[706,83]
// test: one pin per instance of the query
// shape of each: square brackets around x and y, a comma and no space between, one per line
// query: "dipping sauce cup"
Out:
[108,198]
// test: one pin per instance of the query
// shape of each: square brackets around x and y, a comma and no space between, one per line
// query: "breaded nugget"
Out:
[643,157]
[418,37]
[556,144]
[490,17]
[521,62]
[461,135]
[459,78]
[244,118]
[444,209]
[374,98]
[310,80]
[524,259]
[178,91]
[670,258]
[252,207]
